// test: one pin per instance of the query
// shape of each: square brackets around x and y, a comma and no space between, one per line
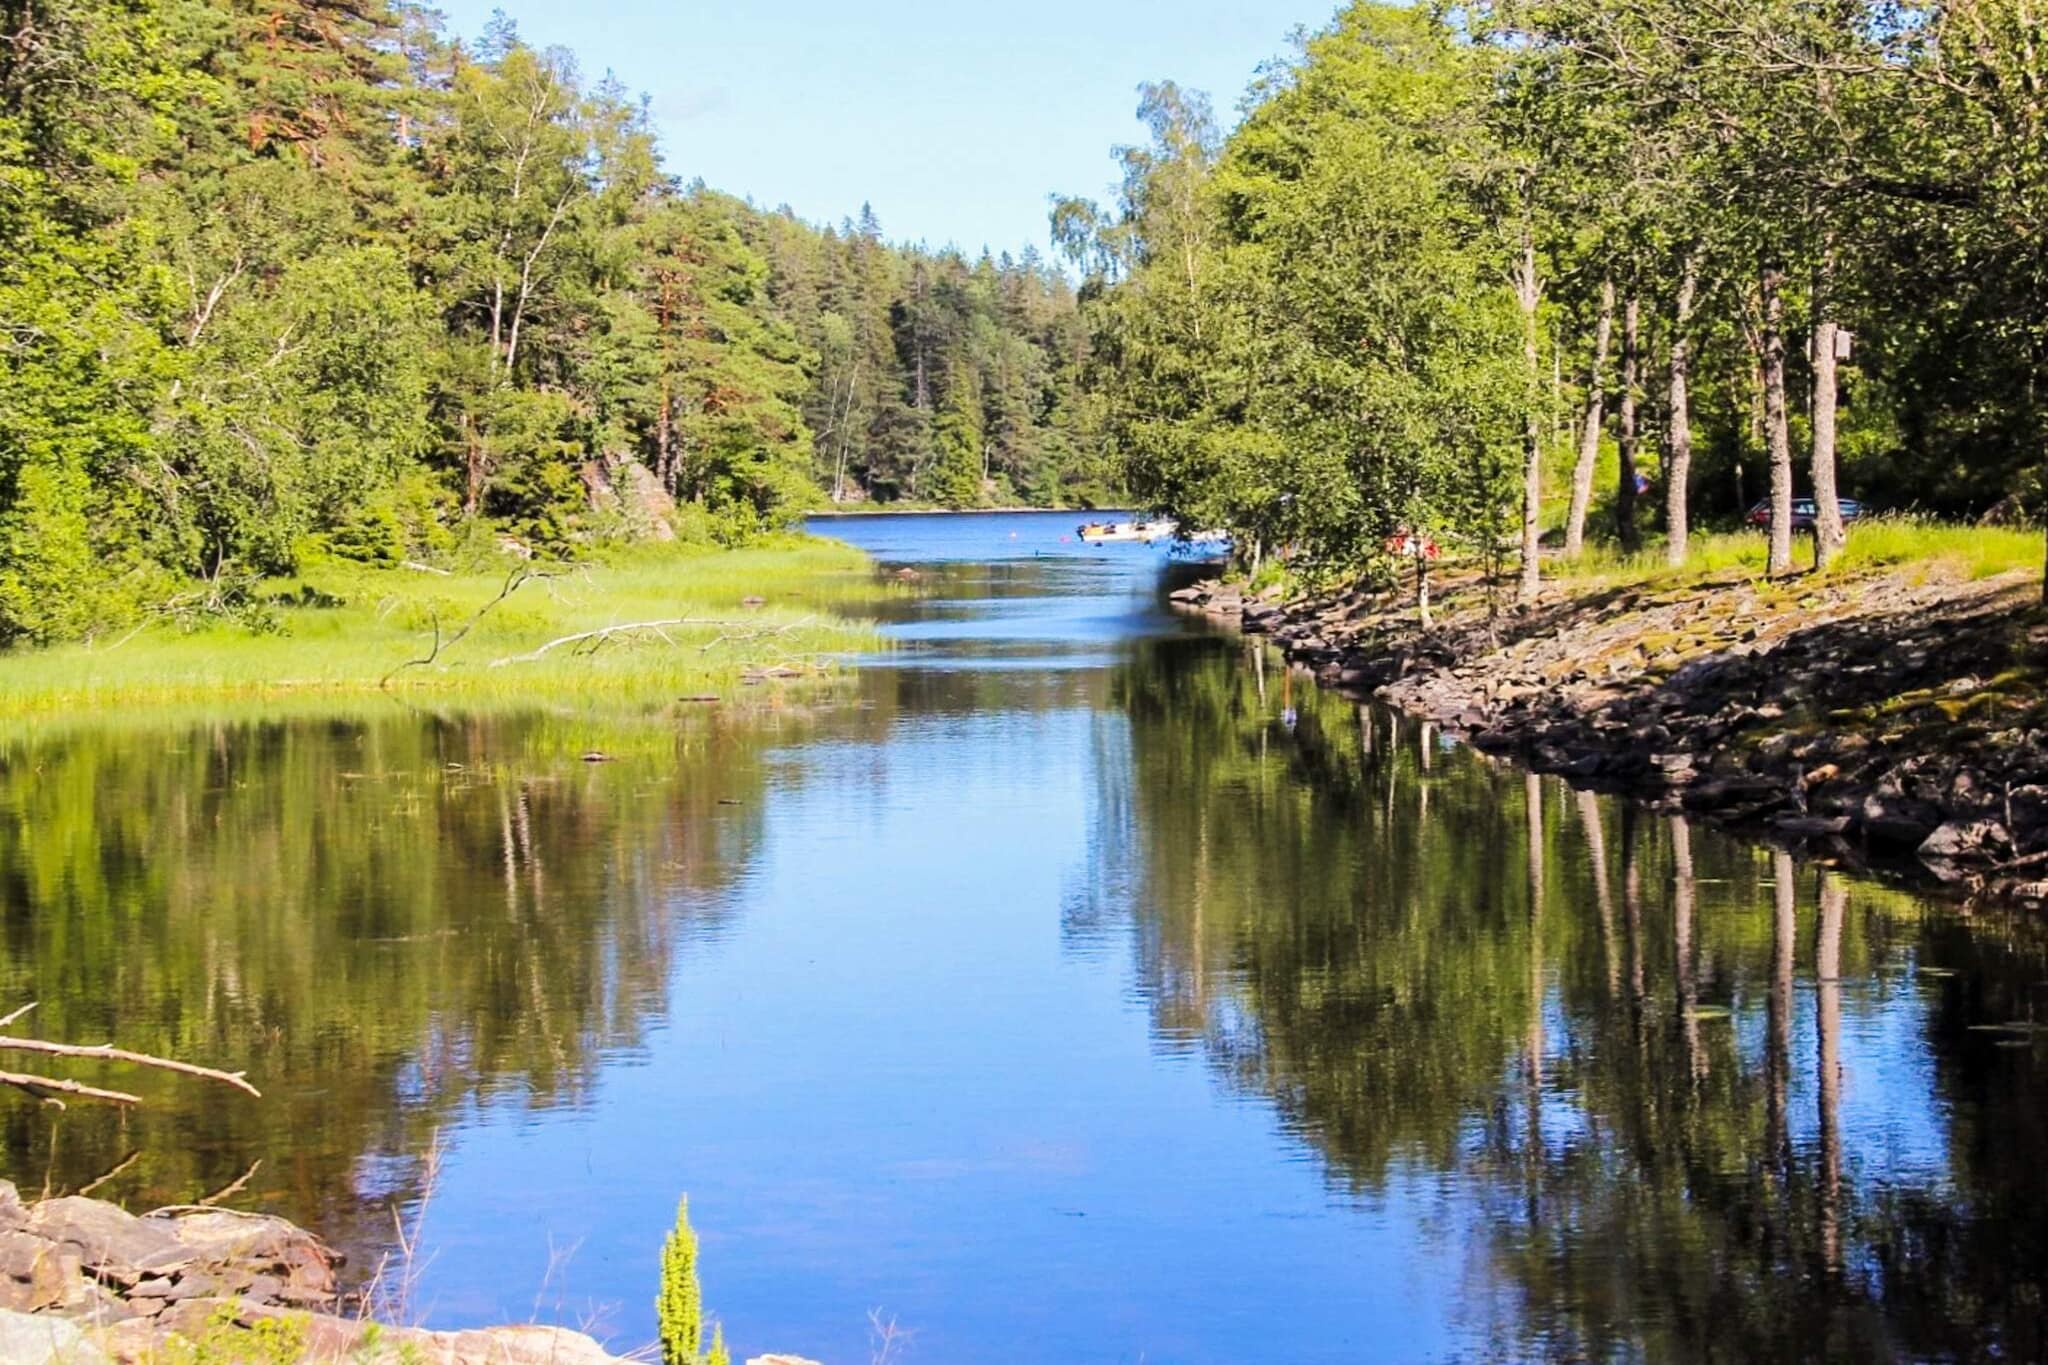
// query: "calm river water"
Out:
[1071,987]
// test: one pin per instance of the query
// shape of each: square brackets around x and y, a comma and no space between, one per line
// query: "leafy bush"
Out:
[55,582]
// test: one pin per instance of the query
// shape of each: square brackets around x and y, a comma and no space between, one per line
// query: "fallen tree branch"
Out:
[105,1053]
[760,633]
[514,581]
[43,1086]
[233,1187]
[126,1162]
[589,636]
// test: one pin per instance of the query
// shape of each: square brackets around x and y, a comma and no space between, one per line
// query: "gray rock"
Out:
[35,1274]
[221,1238]
[40,1340]
[1968,841]
[111,1242]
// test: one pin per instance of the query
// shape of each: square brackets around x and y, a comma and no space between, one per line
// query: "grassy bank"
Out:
[1972,552]
[721,618]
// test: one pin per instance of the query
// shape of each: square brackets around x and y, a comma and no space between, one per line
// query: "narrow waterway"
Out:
[1072,985]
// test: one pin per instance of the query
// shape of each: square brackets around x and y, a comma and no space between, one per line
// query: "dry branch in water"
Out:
[104,1053]
[48,1088]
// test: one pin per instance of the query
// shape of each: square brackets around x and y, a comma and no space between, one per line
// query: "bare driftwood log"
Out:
[48,1088]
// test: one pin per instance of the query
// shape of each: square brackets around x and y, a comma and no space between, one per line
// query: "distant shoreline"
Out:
[957,512]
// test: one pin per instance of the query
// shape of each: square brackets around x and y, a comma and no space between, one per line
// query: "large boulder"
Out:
[243,1249]
[113,1244]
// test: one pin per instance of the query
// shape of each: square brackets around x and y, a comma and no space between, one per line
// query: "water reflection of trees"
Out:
[1625,1034]
[380,920]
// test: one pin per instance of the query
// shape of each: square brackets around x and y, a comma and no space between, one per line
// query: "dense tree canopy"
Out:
[312,277]
[1467,265]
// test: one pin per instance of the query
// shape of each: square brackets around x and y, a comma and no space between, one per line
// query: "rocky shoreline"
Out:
[1894,718]
[83,1282]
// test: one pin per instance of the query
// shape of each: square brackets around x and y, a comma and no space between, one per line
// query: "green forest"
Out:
[1527,272]
[313,278]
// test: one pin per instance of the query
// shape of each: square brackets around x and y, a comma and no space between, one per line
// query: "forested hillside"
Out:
[309,276]
[1531,271]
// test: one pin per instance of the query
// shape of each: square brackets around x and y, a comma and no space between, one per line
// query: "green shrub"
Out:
[679,1306]
[224,1341]
[370,534]
[54,582]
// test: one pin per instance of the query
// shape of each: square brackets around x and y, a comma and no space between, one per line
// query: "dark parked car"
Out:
[1804,510]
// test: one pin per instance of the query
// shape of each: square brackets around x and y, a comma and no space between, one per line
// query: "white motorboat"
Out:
[1124,532]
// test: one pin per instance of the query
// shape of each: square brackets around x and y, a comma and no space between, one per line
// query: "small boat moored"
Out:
[1125,532]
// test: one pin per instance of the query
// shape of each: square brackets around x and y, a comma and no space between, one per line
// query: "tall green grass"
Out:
[1972,552]
[386,618]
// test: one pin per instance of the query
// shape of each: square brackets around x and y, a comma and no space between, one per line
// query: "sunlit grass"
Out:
[1971,552]
[810,591]
[1979,551]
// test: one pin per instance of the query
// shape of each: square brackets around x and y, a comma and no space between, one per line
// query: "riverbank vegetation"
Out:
[323,281]
[1969,552]
[646,624]
[1521,276]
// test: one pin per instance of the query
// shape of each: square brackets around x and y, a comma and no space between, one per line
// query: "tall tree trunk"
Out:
[1828,535]
[2040,429]
[664,421]
[473,461]
[1589,434]
[1529,290]
[1777,431]
[845,434]
[664,439]
[1678,458]
[1422,613]
[1631,374]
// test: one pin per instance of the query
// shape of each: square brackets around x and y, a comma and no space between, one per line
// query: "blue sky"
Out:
[956,118]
